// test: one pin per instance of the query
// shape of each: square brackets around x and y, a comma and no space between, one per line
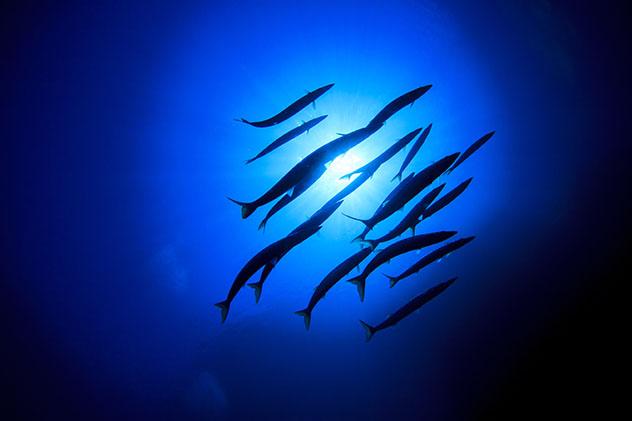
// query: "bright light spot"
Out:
[344,164]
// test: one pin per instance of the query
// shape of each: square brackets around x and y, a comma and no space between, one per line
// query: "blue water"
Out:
[137,240]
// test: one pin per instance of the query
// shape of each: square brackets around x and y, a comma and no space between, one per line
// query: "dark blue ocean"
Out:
[118,237]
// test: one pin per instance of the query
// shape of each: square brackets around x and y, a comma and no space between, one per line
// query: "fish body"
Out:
[446,199]
[397,104]
[291,109]
[404,194]
[469,151]
[429,258]
[400,247]
[372,166]
[413,151]
[305,173]
[407,309]
[309,170]
[330,280]
[314,221]
[269,255]
[409,221]
[282,140]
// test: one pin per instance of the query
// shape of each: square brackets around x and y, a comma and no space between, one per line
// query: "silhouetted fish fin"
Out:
[348,176]
[242,120]
[392,280]
[246,208]
[262,224]
[358,238]
[369,330]
[307,316]
[257,286]
[364,221]
[398,176]
[360,283]
[224,306]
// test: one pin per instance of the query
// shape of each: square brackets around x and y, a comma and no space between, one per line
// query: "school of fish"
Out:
[311,168]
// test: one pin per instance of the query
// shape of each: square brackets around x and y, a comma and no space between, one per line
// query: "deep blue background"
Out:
[117,238]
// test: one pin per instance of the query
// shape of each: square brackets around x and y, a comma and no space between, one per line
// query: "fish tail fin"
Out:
[392,280]
[369,330]
[372,243]
[398,176]
[257,286]
[224,306]
[360,283]
[262,224]
[359,238]
[307,316]
[246,208]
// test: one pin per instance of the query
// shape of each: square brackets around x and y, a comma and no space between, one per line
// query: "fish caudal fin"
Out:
[357,239]
[392,280]
[398,176]
[360,283]
[257,286]
[224,306]
[262,224]
[307,316]
[369,330]
[246,208]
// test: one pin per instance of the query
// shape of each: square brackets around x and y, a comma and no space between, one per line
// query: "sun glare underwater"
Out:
[213,74]
[204,149]
[128,149]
